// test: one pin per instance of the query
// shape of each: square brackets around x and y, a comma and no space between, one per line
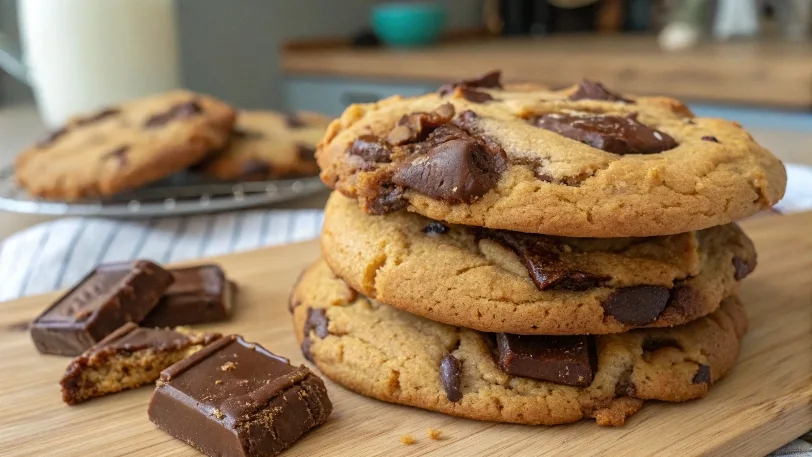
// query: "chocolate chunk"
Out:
[703,375]
[128,358]
[466,118]
[451,377]
[637,305]
[51,137]
[261,406]
[109,112]
[417,126]
[255,170]
[107,298]
[475,96]
[119,154]
[180,111]
[611,133]
[492,80]
[684,301]
[741,268]
[593,90]
[371,149]
[540,256]
[306,349]
[625,387]
[306,152]
[317,321]
[654,344]
[458,167]
[435,227]
[569,360]
[388,199]
[710,138]
[247,134]
[197,295]
[293,121]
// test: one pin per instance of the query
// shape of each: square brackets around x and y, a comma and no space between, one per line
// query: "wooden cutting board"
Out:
[762,404]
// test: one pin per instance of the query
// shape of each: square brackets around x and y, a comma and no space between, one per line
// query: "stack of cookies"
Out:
[125,147]
[516,254]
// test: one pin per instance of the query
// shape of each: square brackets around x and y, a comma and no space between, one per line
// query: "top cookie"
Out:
[125,146]
[269,145]
[579,162]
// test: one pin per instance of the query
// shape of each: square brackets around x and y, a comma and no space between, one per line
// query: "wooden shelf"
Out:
[777,74]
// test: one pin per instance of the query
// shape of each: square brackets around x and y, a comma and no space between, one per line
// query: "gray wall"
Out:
[230,48]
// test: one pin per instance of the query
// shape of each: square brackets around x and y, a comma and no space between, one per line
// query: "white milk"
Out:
[85,54]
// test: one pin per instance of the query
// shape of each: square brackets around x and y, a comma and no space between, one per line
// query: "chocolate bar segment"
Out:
[198,294]
[238,399]
[569,360]
[107,298]
[130,357]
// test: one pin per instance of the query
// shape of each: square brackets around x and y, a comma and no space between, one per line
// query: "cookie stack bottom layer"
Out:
[395,356]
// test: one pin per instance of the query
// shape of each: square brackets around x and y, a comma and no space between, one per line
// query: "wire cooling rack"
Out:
[181,194]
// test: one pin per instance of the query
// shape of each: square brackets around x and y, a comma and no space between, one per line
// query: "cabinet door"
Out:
[332,95]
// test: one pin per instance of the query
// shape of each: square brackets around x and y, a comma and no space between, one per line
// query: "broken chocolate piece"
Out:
[637,305]
[703,375]
[568,360]
[457,168]
[260,407]
[179,111]
[608,132]
[451,377]
[540,256]
[371,149]
[198,295]
[593,90]
[492,80]
[418,126]
[475,96]
[741,268]
[107,298]
[318,322]
[128,358]
[435,227]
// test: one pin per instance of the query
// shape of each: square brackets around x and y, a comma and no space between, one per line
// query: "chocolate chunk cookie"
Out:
[500,281]
[269,145]
[124,147]
[578,162]
[395,356]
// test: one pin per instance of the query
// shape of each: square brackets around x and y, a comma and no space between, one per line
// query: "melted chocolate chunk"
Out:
[450,376]
[540,256]
[51,137]
[418,126]
[293,121]
[98,116]
[255,169]
[569,360]
[611,133]
[703,375]
[388,199]
[684,301]
[637,305]
[436,228]
[741,268]
[458,167]
[372,149]
[492,80]
[475,96]
[317,321]
[593,90]
[306,152]
[119,154]
[710,138]
[179,111]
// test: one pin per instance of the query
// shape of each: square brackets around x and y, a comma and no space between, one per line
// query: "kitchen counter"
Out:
[773,74]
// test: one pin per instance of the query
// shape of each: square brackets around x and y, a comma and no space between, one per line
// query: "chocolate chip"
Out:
[569,360]
[492,80]
[451,377]
[710,138]
[247,134]
[625,387]
[306,349]
[458,167]
[98,116]
[317,321]
[293,121]
[540,255]
[637,305]
[654,344]
[703,375]
[611,133]
[466,117]
[119,154]
[255,169]
[179,111]
[51,137]
[475,96]
[371,149]
[417,126]
[306,152]
[387,199]
[435,227]
[741,268]
[593,90]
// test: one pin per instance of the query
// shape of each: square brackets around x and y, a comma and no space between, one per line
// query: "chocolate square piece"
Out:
[130,357]
[107,298]
[570,360]
[235,398]
[199,294]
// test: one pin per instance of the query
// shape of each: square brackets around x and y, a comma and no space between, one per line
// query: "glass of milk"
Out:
[81,55]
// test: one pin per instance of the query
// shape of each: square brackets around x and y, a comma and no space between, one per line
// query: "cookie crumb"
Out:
[434,433]
[218,382]
[408,440]
[218,414]
[228,366]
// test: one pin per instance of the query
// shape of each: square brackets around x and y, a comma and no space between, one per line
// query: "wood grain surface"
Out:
[763,403]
